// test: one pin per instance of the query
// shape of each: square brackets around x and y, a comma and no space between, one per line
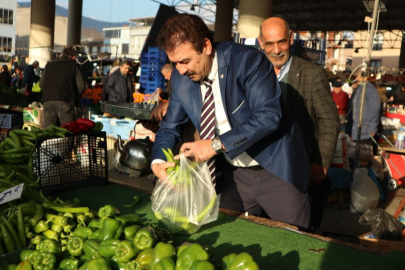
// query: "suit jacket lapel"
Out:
[293,84]
[197,104]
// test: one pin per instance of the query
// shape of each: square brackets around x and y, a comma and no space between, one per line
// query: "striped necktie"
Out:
[208,123]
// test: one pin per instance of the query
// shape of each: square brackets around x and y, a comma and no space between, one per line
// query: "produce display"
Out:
[94,94]
[49,233]
[65,235]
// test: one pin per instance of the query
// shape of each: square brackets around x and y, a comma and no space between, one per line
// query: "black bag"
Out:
[383,225]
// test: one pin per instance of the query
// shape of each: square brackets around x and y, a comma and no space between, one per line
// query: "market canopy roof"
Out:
[330,15]
[320,15]
[315,15]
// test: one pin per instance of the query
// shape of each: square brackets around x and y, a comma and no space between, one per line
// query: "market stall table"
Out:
[396,116]
[278,247]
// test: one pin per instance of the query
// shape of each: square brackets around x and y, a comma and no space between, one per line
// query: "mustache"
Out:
[277,55]
[189,73]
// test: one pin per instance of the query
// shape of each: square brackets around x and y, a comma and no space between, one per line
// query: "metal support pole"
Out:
[363,94]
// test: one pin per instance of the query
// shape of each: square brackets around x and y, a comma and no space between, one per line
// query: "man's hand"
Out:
[200,150]
[159,112]
[159,169]
[318,174]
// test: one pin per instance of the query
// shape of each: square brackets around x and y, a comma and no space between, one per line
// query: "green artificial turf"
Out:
[271,248]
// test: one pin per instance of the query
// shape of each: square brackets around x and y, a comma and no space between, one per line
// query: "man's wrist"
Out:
[216,145]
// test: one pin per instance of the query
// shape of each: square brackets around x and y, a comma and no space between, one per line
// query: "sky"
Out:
[114,10]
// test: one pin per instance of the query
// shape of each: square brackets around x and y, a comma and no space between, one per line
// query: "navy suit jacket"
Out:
[251,97]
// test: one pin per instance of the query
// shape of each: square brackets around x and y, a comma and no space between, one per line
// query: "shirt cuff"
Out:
[157,161]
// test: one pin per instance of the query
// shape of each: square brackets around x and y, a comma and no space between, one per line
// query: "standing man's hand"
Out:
[318,174]
[159,112]
[200,150]
[159,169]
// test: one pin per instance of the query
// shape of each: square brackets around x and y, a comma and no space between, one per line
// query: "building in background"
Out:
[7,30]
[127,41]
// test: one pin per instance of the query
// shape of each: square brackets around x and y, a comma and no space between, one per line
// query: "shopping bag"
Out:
[364,193]
[186,200]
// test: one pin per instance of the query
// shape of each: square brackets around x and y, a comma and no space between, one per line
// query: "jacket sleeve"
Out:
[81,84]
[327,119]
[373,108]
[109,88]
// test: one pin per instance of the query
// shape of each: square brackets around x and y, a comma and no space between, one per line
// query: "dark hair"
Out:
[122,63]
[182,28]
[68,52]
[4,67]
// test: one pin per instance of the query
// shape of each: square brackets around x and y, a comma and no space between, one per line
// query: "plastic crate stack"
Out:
[151,65]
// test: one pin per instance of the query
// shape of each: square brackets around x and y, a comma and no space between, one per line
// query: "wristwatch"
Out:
[217,145]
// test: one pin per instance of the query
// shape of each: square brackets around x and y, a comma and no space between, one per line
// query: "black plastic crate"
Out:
[71,162]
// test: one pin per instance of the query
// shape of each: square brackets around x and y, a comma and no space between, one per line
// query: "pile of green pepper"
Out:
[68,236]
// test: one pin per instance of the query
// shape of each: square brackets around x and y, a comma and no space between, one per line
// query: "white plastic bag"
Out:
[187,199]
[364,193]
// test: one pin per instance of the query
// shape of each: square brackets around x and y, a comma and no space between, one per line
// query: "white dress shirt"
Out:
[221,121]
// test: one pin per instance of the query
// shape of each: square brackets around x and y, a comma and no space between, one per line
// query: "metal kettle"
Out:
[136,154]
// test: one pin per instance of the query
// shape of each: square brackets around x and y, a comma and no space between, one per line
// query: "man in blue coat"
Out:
[267,166]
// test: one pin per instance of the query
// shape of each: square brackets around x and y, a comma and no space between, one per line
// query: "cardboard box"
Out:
[11,121]
[383,245]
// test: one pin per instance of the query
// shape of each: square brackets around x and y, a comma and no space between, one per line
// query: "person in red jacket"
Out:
[341,100]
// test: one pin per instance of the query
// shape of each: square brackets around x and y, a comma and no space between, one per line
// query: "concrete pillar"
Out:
[223,20]
[251,15]
[42,30]
[74,22]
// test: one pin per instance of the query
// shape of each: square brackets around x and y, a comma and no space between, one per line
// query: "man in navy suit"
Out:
[267,166]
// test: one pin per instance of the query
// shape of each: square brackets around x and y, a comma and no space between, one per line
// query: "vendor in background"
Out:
[119,87]
[30,77]
[18,78]
[341,100]
[5,78]
[96,77]
[62,84]
[399,98]
[159,112]
[371,111]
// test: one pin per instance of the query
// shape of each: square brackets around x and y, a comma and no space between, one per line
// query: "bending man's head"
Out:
[187,42]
